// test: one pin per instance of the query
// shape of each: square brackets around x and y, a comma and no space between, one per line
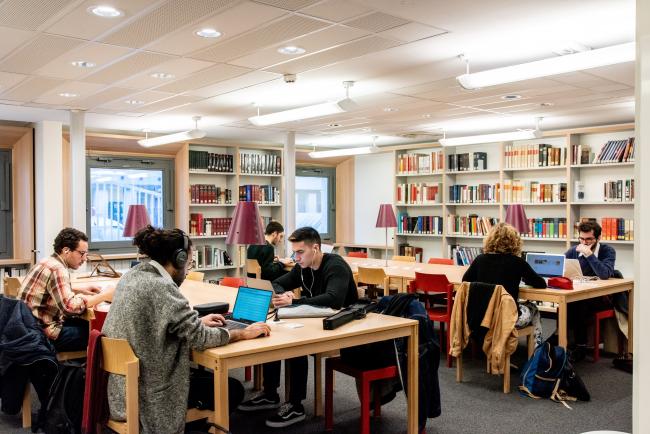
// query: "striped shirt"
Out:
[47,292]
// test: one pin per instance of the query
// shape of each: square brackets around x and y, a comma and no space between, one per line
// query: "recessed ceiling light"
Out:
[390,109]
[208,33]
[163,75]
[426,115]
[334,125]
[134,101]
[546,104]
[68,94]
[510,97]
[291,50]
[105,11]
[83,64]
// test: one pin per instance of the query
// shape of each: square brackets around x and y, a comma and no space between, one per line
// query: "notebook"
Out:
[546,264]
[251,306]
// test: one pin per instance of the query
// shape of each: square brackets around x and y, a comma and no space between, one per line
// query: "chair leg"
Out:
[365,406]
[596,339]
[248,374]
[287,383]
[506,376]
[449,359]
[329,396]
[258,378]
[459,368]
[27,407]
[377,399]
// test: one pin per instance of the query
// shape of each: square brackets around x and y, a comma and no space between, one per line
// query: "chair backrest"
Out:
[233,282]
[253,267]
[118,358]
[11,287]
[429,284]
[358,254]
[195,275]
[403,258]
[372,276]
[441,261]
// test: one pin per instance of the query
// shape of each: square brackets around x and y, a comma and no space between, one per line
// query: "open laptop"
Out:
[251,306]
[572,269]
[546,264]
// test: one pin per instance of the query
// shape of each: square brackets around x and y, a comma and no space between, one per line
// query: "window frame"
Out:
[330,174]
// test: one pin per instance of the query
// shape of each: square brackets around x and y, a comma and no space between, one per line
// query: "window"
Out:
[116,183]
[6,217]
[315,200]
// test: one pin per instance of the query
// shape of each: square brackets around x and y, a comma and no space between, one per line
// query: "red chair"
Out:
[429,285]
[365,377]
[233,282]
[98,322]
[441,261]
[358,255]
[603,314]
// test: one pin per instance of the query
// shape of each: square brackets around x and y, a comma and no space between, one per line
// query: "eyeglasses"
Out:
[82,253]
[586,240]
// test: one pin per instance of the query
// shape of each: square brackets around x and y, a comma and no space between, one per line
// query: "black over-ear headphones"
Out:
[180,255]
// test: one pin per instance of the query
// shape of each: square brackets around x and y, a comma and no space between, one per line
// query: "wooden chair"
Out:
[403,258]
[196,276]
[253,267]
[233,282]
[441,261]
[11,287]
[598,316]
[373,277]
[358,254]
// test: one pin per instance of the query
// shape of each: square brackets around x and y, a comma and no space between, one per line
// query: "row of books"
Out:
[264,194]
[208,193]
[547,227]
[211,162]
[470,225]
[616,151]
[541,155]
[463,255]
[467,161]
[614,228]
[208,226]
[408,250]
[419,193]
[620,190]
[421,164]
[581,154]
[480,193]
[260,164]
[208,256]
[419,225]
[516,191]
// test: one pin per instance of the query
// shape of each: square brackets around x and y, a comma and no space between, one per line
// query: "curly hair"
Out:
[68,237]
[504,239]
[160,244]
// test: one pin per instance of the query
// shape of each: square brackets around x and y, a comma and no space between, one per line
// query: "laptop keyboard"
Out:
[234,325]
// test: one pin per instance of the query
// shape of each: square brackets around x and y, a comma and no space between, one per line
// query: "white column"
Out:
[290,183]
[641,379]
[48,184]
[78,169]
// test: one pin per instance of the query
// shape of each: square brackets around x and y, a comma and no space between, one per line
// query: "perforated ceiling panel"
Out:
[38,53]
[377,22]
[204,78]
[292,5]
[169,103]
[288,28]
[167,18]
[29,14]
[125,68]
[30,89]
[103,97]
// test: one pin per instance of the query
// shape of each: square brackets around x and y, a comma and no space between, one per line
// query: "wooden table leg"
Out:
[630,323]
[562,323]
[412,400]
[318,385]
[221,416]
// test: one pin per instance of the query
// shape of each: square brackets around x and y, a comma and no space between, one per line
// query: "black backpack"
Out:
[64,409]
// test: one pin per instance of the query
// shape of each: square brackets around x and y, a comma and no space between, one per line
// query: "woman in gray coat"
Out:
[150,312]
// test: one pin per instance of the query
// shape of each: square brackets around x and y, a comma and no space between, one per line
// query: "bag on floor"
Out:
[64,408]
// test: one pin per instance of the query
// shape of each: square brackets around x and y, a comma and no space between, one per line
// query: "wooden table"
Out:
[285,343]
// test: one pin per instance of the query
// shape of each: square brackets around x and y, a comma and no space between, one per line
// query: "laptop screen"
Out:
[252,304]
[546,265]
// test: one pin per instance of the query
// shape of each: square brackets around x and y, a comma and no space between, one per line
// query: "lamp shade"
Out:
[246,226]
[516,216]
[386,217]
[136,219]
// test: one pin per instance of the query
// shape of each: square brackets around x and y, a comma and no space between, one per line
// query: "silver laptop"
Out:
[572,269]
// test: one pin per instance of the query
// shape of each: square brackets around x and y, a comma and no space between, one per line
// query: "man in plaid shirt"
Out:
[49,295]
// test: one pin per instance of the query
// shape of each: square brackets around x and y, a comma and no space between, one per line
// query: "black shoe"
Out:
[287,415]
[260,402]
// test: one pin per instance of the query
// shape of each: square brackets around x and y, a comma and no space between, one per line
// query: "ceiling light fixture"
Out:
[68,95]
[510,97]
[163,75]
[83,64]
[105,11]
[552,66]
[390,109]
[134,101]
[176,137]
[208,33]
[496,137]
[291,50]
[308,112]
[346,151]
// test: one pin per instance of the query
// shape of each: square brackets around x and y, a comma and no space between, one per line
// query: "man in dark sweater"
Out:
[272,266]
[324,280]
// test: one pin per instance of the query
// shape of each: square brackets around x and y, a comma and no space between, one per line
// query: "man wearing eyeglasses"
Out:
[48,293]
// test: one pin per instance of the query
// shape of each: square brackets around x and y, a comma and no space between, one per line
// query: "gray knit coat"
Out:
[149,311]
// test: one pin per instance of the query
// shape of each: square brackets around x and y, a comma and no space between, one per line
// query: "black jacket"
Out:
[265,256]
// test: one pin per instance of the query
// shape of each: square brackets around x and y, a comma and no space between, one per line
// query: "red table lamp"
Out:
[386,219]
[136,219]
[246,227]
[516,216]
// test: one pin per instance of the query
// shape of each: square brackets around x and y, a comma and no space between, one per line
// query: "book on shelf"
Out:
[418,225]
[620,190]
[480,193]
[463,255]
[208,226]
[408,250]
[516,191]
[547,227]
[210,194]
[540,155]
[613,228]
[262,194]
[211,162]
[467,161]
[419,193]
[260,164]
[420,163]
[209,256]
[616,151]
[581,154]
[471,224]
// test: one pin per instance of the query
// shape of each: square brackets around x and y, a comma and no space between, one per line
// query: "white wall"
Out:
[374,180]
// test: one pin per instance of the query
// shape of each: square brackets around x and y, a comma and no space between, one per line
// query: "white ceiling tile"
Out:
[230,22]
[10,39]
[147,97]
[291,5]
[179,68]
[170,103]
[140,61]
[336,10]
[621,73]
[110,94]
[412,32]
[326,38]
[376,22]
[234,84]
[99,54]
[8,80]
[29,14]
[30,89]
[204,78]
[38,53]
[82,89]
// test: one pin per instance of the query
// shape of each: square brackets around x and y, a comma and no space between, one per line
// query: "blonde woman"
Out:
[501,264]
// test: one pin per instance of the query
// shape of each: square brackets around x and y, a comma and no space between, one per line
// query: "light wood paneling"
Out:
[182,206]
[67,182]
[23,199]
[345,201]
